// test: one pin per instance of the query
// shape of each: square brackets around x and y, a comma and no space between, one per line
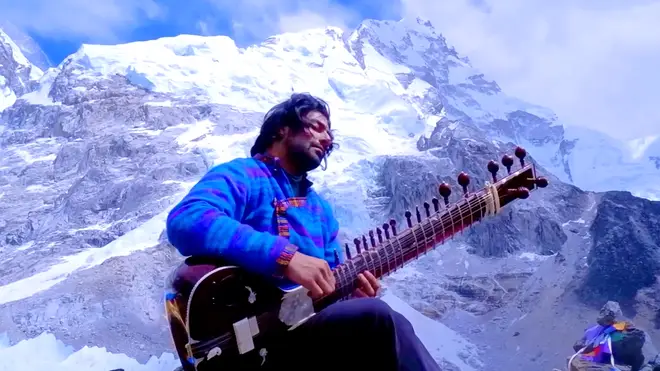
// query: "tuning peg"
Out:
[356,241]
[393,226]
[386,229]
[507,161]
[464,181]
[379,232]
[427,209]
[436,204]
[348,252]
[493,168]
[521,153]
[372,239]
[408,215]
[418,215]
[445,192]
[541,182]
[337,260]
[364,242]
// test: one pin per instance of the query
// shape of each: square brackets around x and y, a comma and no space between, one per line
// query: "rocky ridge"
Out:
[86,159]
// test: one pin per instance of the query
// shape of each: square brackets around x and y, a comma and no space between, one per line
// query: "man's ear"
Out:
[282,133]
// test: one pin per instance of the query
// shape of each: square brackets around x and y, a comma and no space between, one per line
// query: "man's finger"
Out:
[365,286]
[373,281]
[329,276]
[314,290]
[326,286]
[362,280]
[359,293]
[369,290]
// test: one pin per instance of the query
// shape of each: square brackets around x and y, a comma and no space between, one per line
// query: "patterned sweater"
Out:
[245,211]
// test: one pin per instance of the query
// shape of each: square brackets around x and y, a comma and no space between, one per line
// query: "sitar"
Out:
[222,317]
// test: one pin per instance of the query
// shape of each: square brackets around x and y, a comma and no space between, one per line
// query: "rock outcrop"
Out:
[624,256]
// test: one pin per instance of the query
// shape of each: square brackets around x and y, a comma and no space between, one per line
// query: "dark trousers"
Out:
[357,334]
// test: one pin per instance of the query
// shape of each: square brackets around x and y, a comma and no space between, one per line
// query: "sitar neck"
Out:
[396,249]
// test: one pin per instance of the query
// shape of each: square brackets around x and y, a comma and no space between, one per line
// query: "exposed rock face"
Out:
[17,75]
[86,158]
[28,46]
[118,304]
[626,243]
[109,163]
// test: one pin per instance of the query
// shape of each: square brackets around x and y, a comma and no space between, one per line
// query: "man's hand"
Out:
[368,285]
[312,273]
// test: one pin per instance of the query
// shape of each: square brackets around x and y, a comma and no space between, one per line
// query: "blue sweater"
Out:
[245,211]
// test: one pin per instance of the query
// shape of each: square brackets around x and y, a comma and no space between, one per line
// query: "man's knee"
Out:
[371,306]
[371,312]
[366,308]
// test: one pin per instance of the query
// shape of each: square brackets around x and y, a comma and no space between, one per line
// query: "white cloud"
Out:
[102,21]
[204,28]
[593,62]
[259,19]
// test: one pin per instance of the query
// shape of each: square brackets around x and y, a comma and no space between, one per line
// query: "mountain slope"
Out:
[93,156]
[17,75]
[26,44]
[395,70]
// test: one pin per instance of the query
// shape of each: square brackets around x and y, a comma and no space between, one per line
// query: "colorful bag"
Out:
[602,342]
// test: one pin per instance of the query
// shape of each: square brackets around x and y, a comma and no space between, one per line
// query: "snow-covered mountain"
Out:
[94,152]
[27,45]
[17,75]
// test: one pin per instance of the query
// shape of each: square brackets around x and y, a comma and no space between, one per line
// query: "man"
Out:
[262,214]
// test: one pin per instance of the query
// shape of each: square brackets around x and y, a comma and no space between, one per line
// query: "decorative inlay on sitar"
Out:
[224,318]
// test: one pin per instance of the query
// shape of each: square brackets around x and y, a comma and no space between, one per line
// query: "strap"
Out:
[609,345]
[280,212]
[570,360]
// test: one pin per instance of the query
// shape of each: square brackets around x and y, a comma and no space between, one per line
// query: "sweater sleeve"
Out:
[332,241]
[207,222]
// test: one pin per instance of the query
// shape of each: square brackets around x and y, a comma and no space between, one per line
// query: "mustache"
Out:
[322,148]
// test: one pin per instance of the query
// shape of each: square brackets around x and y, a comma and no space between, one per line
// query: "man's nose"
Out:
[325,139]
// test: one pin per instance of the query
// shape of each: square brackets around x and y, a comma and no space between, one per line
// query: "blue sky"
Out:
[145,20]
[594,62]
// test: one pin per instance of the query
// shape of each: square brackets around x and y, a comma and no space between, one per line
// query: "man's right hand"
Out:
[312,273]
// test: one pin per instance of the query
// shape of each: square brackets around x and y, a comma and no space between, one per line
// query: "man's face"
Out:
[307,148]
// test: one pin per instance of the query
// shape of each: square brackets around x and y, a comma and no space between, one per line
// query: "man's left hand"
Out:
[368,285]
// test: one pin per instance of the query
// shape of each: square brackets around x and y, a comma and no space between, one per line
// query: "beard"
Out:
[303,156]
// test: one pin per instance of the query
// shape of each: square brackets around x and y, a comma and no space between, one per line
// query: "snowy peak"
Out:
[646,148]
[598,162]
[28,46]
[214,68]
[442,83]
[389,81]
[17,75]
[414,46]
[95,155]
[522,125]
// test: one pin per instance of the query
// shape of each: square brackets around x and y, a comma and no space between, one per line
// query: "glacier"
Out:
[370,95]
[368,91]
[394,88]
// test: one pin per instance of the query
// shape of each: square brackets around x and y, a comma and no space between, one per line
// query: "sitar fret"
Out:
[382,259]
[209,297]
[393,252]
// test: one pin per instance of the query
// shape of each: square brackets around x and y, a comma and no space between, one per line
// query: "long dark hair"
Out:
[290,113]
